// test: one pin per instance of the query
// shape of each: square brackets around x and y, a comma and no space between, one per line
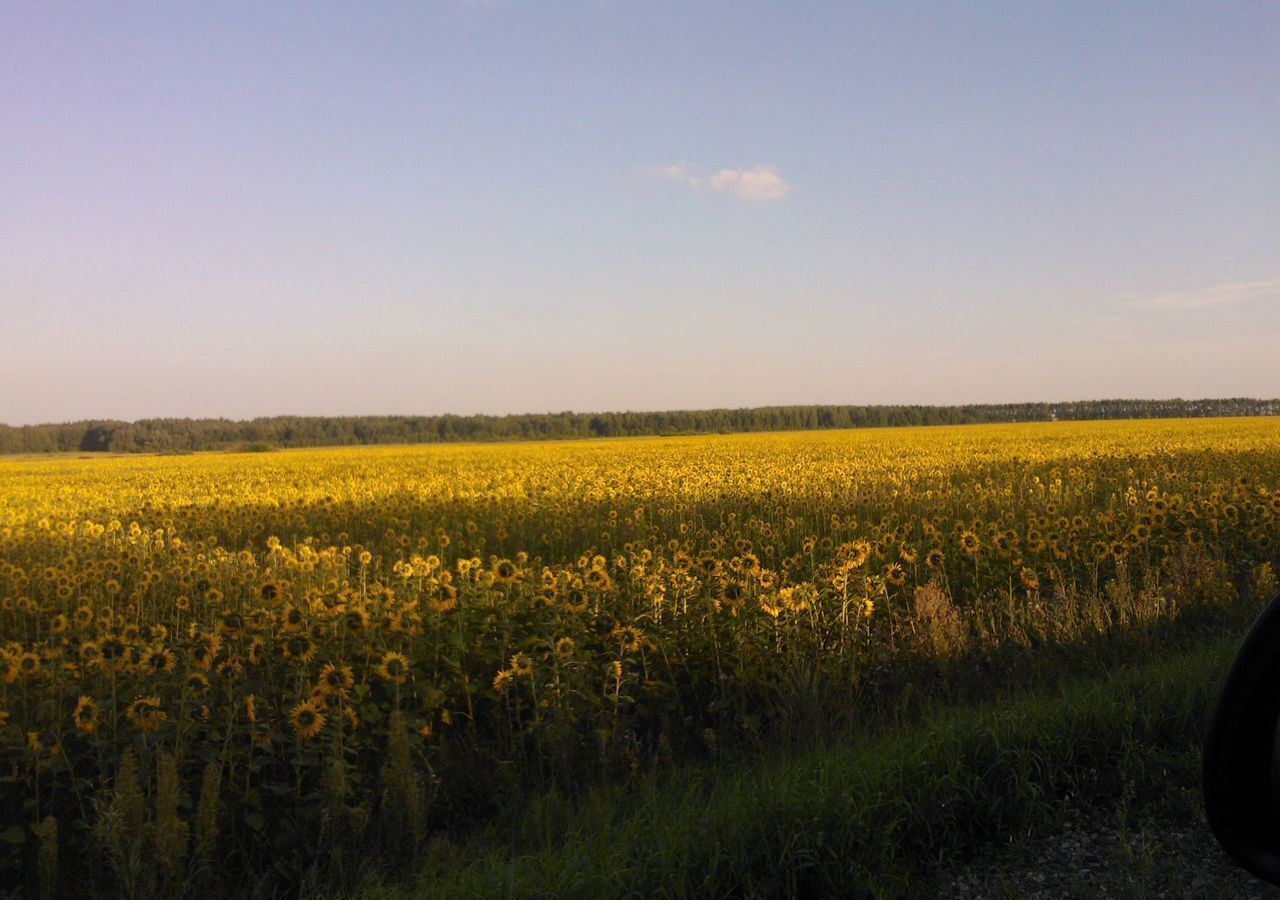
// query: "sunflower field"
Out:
[276,666]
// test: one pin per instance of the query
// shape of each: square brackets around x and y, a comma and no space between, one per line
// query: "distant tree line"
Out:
[181,435]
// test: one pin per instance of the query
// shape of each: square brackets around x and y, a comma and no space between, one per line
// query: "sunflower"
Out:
[598,578]
[394,667]
[730,592]
[335,679]
[447,600]
[151,634]
[575,599]
[202,656]
[934,559]
[858,554]
[307,720]
[113,653]
[506,572]
[299,647]
[231,624]
[256,649]
[521,665]
[291,618]
[388,622]
[90,652]
[356,619]
[259,619]
[145,714]
[502,681]
[795,601]
[894,574]
[86,715]
[1029,579]
[565,647]
[629,638]
[198,683]
[24,665]
[158,660]
[45,741]
[970,544]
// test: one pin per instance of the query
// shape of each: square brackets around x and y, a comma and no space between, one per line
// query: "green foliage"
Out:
[170,832]
[122,831]
[206,821]
[264,434]
[47,832]
[868,817]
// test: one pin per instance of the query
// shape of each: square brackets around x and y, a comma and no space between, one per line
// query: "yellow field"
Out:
[267,641]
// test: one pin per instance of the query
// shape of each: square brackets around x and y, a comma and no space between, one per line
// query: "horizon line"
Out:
[619,412]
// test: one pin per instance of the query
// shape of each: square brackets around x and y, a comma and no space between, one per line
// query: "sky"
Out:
[244,209]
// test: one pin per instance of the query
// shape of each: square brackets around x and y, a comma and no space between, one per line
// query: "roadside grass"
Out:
[874,815]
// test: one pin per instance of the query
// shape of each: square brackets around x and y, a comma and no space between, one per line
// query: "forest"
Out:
[188,435]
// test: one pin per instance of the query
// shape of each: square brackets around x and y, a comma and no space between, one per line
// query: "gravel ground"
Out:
[1100,859]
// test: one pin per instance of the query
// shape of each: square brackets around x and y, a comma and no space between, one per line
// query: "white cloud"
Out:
[1216,295]
[677,172]
[759,183]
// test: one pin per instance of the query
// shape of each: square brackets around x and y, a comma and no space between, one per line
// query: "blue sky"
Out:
[254,209]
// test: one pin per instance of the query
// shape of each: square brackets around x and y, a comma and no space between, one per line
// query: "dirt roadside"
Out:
[1098,857]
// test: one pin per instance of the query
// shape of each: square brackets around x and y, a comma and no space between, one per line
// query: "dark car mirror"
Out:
[1240,773]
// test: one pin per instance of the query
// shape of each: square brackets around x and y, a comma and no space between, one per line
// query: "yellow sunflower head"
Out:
[394,667]
[85,716]
[307,720]
[335,679]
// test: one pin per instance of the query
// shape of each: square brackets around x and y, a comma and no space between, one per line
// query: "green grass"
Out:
[870,816]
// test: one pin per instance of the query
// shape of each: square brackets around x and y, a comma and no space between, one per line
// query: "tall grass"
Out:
[868,816]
